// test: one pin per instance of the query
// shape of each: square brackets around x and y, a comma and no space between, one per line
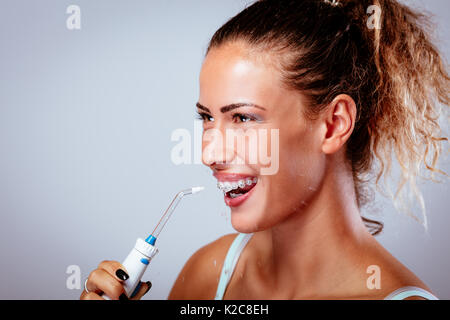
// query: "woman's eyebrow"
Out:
[202,107]
[230,107]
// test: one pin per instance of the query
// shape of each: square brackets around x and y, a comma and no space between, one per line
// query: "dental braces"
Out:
[228,186]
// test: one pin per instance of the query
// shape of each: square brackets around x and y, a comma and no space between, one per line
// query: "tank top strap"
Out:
[410,291]
[230,262]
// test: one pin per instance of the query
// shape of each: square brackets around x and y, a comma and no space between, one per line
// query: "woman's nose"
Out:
[215,150]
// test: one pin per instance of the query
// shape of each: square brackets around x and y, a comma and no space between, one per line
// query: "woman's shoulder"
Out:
[385,274]
[200,275]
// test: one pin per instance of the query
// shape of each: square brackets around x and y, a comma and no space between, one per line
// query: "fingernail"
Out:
[149,285]
[123,297]
[122,275]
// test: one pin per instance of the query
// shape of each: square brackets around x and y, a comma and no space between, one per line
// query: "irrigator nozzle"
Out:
[165,217]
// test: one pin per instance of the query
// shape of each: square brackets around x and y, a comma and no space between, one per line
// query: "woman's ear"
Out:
[338,123]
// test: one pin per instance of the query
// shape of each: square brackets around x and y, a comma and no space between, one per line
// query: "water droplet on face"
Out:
[182,279]
[215,263]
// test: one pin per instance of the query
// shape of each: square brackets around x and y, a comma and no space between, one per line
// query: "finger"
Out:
[115,269]
[90,296]
[144,288]
[100,281]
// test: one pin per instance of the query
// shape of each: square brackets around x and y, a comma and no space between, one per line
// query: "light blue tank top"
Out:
[241,241]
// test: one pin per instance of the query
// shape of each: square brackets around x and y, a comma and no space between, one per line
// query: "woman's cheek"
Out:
[262,150]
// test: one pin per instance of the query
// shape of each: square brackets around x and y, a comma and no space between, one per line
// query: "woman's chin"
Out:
[244,224]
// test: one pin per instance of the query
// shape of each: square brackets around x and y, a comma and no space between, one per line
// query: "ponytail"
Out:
[412,87]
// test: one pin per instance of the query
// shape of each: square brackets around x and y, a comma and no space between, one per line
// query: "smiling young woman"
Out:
[341,95]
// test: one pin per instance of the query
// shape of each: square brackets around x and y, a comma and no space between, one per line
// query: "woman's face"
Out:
[254,131]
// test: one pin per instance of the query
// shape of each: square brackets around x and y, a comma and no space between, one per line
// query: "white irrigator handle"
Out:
[144,250]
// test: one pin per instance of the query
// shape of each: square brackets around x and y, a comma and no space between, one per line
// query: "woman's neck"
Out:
[315,246]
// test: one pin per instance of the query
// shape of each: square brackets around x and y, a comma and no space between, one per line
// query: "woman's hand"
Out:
[108,278]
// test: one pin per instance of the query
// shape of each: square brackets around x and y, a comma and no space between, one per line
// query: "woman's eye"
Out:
[238,117]
[204,116]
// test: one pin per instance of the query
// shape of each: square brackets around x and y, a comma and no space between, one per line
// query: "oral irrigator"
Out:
[144,250]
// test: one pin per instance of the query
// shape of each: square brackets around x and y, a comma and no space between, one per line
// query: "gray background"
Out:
[86,118]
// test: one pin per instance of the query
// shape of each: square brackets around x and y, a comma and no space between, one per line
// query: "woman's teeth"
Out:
[228,186]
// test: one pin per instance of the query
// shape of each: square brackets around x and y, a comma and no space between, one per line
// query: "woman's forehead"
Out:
[227,75]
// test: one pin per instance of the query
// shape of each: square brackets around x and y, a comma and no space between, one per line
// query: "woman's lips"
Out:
[235,202]
[241,182]
[223,177]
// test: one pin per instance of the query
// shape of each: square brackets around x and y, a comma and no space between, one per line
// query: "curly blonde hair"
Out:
[393,71]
